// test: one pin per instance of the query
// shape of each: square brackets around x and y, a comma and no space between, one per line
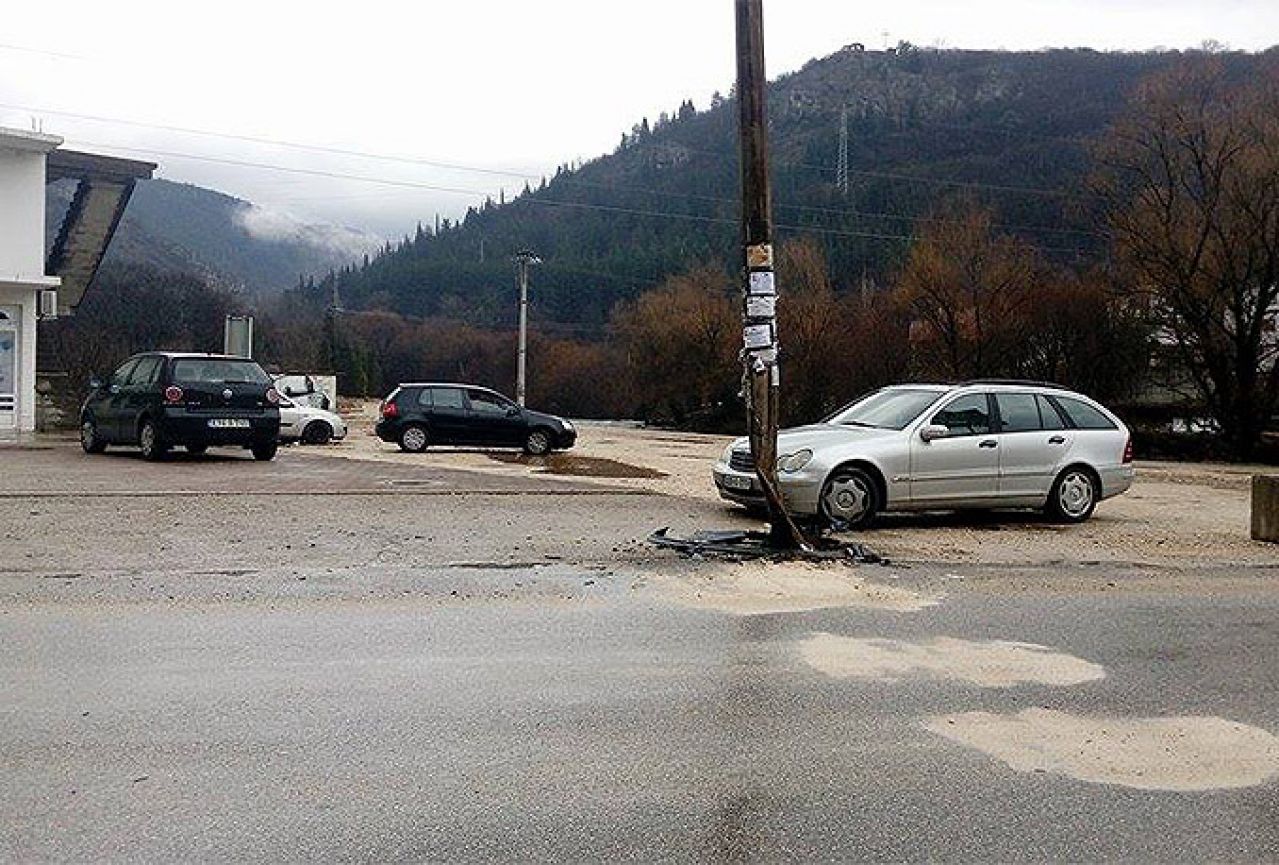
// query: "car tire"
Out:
[317,432]
[149,442]
[849,499]
[196,449]
[89,438]
[265,451]
[1074,495]
[414,439]
[538,443]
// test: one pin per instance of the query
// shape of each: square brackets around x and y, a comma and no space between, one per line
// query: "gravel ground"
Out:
[1175,514]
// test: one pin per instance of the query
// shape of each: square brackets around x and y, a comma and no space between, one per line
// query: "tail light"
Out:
[173,394]
[1128,450]
[390,409]
[272,396]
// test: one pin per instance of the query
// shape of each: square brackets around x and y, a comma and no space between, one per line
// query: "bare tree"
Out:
[1190,180]
[968,290]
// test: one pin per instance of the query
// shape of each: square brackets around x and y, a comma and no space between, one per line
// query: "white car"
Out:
[986,444]
[309,424]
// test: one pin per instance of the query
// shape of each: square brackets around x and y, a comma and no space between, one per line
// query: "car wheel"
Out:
[89,438]
[413,439]
[196,449]
[149,442]
[538,443]
[1074,495]
[849,499]
[317,432]
[265,451]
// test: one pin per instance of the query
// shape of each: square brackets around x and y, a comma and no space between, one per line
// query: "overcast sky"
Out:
[508,85]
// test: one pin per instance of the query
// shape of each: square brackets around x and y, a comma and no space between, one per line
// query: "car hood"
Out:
[819,436]
[537,417]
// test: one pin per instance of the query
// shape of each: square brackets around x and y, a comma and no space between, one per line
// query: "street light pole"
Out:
[762,377]
[523,260]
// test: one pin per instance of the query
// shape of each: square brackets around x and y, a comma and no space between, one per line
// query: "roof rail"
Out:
[1023,382]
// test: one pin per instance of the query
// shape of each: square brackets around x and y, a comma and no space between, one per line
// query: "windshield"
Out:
[892,408]
[218,371]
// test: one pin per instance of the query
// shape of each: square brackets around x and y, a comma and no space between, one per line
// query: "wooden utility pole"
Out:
[762,379]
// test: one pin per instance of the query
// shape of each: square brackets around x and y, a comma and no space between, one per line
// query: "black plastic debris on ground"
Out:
[746,545]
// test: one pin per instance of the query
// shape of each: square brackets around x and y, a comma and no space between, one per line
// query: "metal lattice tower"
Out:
[841,169]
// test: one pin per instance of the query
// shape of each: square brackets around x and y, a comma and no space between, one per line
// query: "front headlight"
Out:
[727,455]
[568,425]
[794,462]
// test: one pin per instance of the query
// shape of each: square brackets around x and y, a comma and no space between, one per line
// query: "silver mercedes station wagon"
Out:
[985,444]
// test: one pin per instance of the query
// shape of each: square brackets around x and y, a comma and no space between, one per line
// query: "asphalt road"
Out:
[488,676]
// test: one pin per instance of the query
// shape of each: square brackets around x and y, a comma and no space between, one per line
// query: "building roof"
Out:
[22,139]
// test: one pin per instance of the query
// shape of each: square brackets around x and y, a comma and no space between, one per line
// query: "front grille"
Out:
[741,461]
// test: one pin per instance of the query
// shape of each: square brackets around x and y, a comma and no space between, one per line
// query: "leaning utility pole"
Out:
[762,378]
[523,259]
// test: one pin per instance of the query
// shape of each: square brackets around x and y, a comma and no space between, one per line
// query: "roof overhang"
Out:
[64,164]
[104,186]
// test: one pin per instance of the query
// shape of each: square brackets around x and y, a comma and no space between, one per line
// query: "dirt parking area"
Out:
[1175,514]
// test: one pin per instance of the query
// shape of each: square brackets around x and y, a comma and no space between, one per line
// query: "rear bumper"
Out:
[387,431]
[1116,480]
[179,426]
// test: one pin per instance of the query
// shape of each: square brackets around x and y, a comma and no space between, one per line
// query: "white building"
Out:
[22,272]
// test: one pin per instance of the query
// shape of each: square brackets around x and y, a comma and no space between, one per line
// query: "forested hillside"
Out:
[1009,130]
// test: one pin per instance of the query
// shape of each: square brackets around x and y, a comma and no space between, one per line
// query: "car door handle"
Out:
[988,443]
[1057,440]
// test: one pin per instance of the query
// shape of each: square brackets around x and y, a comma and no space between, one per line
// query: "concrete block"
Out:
[1265,508]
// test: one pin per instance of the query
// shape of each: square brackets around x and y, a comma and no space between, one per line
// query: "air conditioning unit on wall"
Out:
[48,305]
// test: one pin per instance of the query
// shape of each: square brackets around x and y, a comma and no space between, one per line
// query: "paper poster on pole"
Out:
[758,336]
[760,255]
[761,307]
[761,283]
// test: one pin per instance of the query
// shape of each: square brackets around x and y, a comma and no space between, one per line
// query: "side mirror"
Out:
[513,411]
[934,431]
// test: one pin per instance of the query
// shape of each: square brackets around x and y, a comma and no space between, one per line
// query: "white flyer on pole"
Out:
[758,336]
[761,307]
[761,282]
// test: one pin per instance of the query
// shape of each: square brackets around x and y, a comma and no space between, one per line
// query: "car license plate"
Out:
[229,423]
[734,482]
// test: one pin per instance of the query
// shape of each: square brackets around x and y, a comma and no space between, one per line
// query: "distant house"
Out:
[33,286]
[22,274]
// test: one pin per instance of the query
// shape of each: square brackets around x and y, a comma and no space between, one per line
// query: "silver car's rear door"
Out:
[1033,445]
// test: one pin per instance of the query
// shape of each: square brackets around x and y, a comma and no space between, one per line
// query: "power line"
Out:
[522,175]
[528,200]
[25,50]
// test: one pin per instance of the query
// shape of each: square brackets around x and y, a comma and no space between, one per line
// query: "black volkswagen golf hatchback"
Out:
[157,400]
[417,415]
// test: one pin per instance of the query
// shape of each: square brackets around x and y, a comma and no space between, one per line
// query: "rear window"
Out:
[1082,415]
[198,370]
